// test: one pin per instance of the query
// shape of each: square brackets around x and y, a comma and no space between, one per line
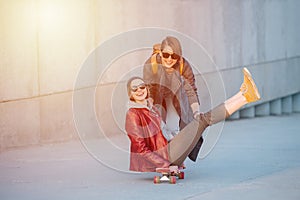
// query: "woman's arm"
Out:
[190,88]
[148,77]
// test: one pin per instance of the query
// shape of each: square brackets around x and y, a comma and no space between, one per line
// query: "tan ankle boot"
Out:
[249,88]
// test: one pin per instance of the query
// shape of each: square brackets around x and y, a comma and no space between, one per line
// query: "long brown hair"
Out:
[173,43]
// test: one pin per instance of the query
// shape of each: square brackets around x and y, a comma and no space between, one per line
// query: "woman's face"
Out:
[138,90]
[169,59]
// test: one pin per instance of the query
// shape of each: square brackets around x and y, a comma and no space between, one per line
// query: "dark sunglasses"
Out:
[173,56]
[135,88]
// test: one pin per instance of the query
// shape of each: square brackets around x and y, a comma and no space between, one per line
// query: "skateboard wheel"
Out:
[172,179]
[181,175]
[156,180]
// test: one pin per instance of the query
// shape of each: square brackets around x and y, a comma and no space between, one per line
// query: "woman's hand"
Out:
[150,101]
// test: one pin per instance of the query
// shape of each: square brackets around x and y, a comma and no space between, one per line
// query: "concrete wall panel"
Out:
[56,118]
[66,37]
[276,30]
[19,123]
[293,28]
[18,50]
[110,108]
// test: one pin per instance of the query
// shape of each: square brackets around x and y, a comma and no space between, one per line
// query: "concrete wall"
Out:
[44,43]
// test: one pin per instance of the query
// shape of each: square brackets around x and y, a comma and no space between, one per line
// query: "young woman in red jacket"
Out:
[145,128]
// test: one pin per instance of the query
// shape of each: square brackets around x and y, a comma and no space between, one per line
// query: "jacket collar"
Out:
[132,104]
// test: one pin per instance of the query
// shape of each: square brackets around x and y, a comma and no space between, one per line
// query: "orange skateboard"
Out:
[169,174]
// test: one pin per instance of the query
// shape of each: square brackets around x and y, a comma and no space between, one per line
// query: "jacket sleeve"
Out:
[149,78]
[147,71]
[190,83]
[137,137]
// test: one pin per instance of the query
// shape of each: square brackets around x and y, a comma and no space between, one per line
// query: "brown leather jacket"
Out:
[181,86]
[149,148]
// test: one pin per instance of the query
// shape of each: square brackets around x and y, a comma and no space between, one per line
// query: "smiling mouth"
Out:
[169,62]
[140,94]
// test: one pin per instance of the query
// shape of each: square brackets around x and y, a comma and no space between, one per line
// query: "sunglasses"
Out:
[173,56]
[135,88]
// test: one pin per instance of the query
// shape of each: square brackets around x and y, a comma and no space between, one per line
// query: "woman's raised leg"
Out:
[184,142]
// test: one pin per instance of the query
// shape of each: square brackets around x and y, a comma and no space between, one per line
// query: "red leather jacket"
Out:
[149,148]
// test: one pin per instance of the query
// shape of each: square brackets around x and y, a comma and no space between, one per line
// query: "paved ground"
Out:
[253,159]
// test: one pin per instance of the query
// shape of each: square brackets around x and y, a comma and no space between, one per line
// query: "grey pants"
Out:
[185,141]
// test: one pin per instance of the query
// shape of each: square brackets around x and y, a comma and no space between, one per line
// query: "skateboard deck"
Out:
[169,174]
